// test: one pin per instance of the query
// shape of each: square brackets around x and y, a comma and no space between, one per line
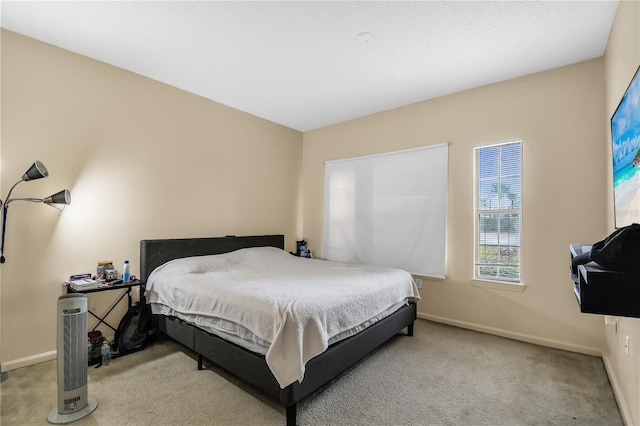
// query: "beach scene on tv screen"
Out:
[625,136]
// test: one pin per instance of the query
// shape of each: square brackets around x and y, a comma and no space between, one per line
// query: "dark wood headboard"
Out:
[154,253]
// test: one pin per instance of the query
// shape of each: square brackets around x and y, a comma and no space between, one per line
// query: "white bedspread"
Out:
[295,306]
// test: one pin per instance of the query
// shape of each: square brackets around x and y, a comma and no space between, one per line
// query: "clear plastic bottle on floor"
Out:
[105,350]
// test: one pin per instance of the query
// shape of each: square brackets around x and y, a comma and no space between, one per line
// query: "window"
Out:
[388,210]
[498,211]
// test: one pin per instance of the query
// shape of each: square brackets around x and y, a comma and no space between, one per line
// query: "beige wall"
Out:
[558,114]
[142,160]
[622,58]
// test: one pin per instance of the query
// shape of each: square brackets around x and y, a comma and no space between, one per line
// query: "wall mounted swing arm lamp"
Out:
[57,200]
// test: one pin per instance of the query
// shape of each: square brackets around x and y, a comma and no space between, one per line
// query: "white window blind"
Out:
[388,210]
[498,178]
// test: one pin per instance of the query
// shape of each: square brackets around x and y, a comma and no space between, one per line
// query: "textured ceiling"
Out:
[303,64]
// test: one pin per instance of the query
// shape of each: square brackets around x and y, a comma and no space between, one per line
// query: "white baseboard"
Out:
[27,361]
[515,336]
[617,392]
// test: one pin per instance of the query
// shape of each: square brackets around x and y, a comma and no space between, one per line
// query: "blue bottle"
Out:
[126,272]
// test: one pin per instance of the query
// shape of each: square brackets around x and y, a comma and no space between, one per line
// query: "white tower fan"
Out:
[72,354]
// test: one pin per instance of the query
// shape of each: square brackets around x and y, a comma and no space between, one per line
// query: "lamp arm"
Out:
[36,171]
[31,200]
[11,190]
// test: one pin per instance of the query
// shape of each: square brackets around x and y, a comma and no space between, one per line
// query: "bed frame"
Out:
[250,366]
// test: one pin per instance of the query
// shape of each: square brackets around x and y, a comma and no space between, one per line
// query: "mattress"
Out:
[288,308]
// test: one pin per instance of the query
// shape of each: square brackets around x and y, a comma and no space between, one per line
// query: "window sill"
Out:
[499,285]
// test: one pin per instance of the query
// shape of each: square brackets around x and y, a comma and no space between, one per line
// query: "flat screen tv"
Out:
[625,139]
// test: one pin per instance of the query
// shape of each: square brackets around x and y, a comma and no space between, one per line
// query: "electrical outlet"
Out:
[418,282]
[627,340]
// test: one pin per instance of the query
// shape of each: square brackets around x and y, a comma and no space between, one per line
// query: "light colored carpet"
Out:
[442,376]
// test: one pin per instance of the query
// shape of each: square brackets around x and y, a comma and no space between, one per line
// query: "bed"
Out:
[260,368]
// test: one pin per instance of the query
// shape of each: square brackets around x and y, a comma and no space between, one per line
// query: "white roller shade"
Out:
[388,210]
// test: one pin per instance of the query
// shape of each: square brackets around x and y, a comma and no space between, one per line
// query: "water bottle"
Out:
[105,350]
[126,272]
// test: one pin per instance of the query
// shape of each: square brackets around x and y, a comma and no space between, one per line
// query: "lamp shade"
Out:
[36,171]
[62,197]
